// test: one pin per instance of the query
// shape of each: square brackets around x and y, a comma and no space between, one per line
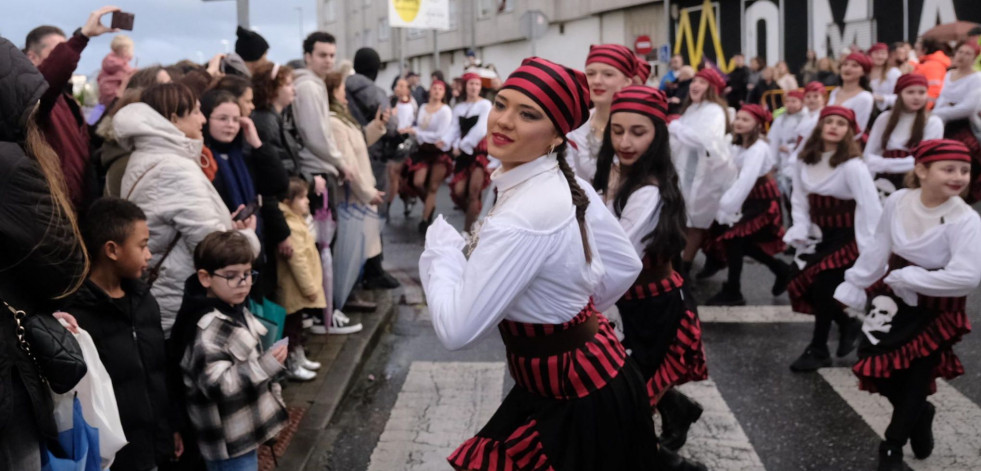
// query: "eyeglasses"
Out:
[238,281]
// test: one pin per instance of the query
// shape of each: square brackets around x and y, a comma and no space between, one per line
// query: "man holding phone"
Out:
[56,57]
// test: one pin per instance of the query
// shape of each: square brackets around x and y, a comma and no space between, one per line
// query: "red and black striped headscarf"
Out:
[941,149]
[759,113]
[468,77]
[815,86]
[909,80]
[847,113]
[640,99]
[613,55]
[796,93]
[714,79]
[643,71]
[863,61]
[560,91]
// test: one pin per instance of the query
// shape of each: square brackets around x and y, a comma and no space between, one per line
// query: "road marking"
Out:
[751,314]
[440,405]
[717,439]
[956,427]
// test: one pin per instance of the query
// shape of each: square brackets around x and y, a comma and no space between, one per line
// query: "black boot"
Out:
[670,461]
[848,336]
[812,359]
[890,457]
[375,277]
[730,295]
[711,267]
[678,412]
[921,440]
[783,273]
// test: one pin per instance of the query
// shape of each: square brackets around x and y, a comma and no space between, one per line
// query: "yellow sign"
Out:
[407,9]
[696,51]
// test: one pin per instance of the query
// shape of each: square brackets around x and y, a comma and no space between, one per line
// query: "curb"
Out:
[343,373]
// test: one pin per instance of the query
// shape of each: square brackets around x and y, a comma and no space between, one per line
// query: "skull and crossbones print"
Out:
[878,321]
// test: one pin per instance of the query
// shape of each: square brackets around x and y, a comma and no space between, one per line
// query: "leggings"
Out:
[826,308]
[741,247]
[907,391]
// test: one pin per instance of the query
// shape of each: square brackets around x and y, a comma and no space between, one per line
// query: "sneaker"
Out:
[307,321]
[341,324]
[848,337]
[890,458]
[812,359]
[382,281]
[295,372]
[921,440]
[317,325]
[729,296]
[300,357]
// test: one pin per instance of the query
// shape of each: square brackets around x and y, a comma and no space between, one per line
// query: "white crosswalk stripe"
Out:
[717,439]
[751,314]
[956,427]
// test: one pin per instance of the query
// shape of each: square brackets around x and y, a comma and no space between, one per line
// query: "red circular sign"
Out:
[643,45]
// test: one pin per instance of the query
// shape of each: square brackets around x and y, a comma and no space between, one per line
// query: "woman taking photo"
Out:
[466,142]
[540,267]
[958,101]
[430,165]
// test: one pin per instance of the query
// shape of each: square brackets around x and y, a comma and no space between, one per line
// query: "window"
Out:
[506,5]
[454,13]
[366,38]
[384,31]
[329,14]
[486,8]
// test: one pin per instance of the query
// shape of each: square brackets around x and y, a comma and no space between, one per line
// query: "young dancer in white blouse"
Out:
[896,131]
[749,222]
[882,77]
[538,268]
[466,143]
[854,92]
[912,286]
[835,209]
[430,165]
[700,151]
[406,110]
[958,103]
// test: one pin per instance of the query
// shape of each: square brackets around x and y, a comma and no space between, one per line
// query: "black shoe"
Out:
[783,279]
[712,266]
[921,440]
[670,460]
[848,337]
[812,359]
[729,296]
[890,457]
[678,412]
[382,281]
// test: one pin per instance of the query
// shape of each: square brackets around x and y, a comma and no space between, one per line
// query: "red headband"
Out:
[614,55]
[438,82]
[862,59]
[759,113]
[973,45]
[469,76]
[878,47]
[909,80]
[643,71]
[847,113]
[640,99]
[713,78]
[941,149]
[561,92]
[814,86]
[798,94]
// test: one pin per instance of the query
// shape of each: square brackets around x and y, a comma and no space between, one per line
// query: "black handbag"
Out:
[52,347]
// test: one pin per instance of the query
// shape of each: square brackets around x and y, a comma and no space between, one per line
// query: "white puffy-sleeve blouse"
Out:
[933,129]
[430,128]
[959,98]
[640,215]
[861,104]
[752,163]
[528,264]
[943,244]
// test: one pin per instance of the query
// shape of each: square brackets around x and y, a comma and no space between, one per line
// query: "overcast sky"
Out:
[166,31]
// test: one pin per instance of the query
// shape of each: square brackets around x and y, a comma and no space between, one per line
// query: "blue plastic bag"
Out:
[79,446]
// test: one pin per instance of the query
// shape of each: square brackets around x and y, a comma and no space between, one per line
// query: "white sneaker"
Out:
[300,357]
[317,326]
[296,372]
[340,324]
[307,321]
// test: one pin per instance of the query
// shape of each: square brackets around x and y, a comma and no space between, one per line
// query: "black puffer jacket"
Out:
[40,255]
[131,345]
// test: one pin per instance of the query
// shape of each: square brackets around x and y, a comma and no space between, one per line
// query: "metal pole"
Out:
[299,11]
[401,51]
[435,51]
[243,13]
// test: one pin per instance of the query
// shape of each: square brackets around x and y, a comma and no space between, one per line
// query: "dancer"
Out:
[783,140]
[406,110]
[958,103]
[701,156]
[835,210]
[749,211]
[883,76]
[429,166]
[466,141]
[897,131]
[854,92]
[537,271]
[609,68]
[913,286]
[661,329]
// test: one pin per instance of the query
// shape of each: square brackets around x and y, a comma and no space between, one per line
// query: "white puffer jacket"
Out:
[164,178]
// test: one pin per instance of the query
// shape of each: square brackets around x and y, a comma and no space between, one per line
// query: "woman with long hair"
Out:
[913,286]
[883,76]
[466,142]
[835,210]
[701,156]
[539,268]
[609,68]
[749,219]
[784,78]
[429,166]
[405,111]
[958,104]
[897,131]
[637,179]
[853,91]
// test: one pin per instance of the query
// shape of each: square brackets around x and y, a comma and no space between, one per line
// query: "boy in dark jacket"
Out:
[117,309]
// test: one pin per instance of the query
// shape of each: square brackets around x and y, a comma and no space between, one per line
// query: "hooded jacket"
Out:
[364,99]
[40,257]
[311,111]
[164,178]
[934,68]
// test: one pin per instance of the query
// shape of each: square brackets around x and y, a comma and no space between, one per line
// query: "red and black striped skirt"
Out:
[582,406]
[663,334]
[426,157]
[464,168]
[837,250]
[898,179]
[761,219]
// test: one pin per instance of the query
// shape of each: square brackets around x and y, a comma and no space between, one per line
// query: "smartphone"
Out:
[122,20]
[248,211]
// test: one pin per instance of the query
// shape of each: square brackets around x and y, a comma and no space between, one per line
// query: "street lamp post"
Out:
[299,14]
[242,11]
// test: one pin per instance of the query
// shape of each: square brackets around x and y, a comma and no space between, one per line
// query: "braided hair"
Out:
[579,197]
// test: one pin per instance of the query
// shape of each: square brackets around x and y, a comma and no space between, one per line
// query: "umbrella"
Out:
[950,32]
[348,246]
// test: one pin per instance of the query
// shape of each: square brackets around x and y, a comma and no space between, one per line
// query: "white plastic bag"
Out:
[98,401]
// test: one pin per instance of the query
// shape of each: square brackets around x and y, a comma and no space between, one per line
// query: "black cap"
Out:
[367,62]
[250,45]
[975,31]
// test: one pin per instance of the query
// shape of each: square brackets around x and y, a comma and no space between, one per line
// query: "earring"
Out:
[551,150]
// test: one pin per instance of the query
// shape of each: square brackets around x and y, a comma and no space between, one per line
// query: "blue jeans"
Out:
[246,462]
